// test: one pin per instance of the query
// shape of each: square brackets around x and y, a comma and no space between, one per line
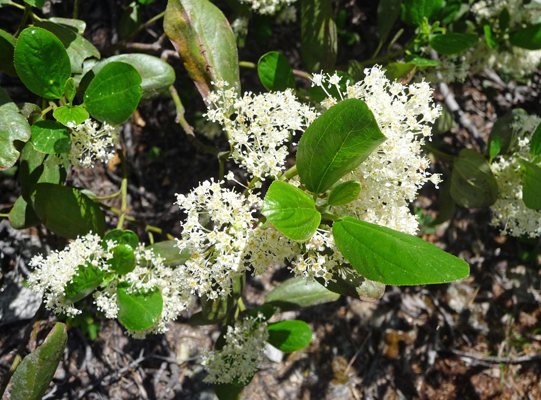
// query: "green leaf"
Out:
[503,129]
[444,123]
[388,12]
[535,144]
[397,70]
[70,90]
[527,38]
[317,93]
[76,25]
[35,3]
[120,236]
[66,211]
[348,282]
[77,47]
[114,93]
[216,310]
[7,50]
[337,143]
[123,261]
[289,336]
[84,282]
[446,204]
[453,43]
[170,253]
[228,391]
[472,182]
[50,137]
[30,111]
[495,148]
[22,215]
[531,189]
[203,38]
[395,258]
[291,211]
[130,20]
[344,193]
[490,37]
[414,11]
[36,167]
[319,39]
[503,19]
[421,61]
[33,376]
[275,72]
[138,311]
[296,293]
[13,127]
[70,116]
[156,74]
[42,62]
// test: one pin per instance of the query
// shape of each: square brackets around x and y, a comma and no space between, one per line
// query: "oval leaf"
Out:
[138,311]
[420,61]
[123,260]
[348,282]
[414,11]
[203,38]
[503,129]
[22,215]
[275,72]
[50,137]
[70,116]
[472,182]
[319,38]
[337,143]
[388,12]
[7,50]
[453,43]
[33,376]
[292,211]
[120,236]
[228,391]
[66,211]
[296,293]
[527,38]
[13,126]
[114,93]
[42,62]
[70,90]
[531,190]
[395,258]
[84,282]
[289,336]
[535,144]
[169,253]
[76,25]
[398,70]
[344,193]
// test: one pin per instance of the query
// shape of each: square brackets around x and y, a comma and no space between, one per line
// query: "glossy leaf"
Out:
[36,167]
[531,189]
[289,336]
[70,90]
[42,62]
[87,279]
[275,72]
[66,211]
[70,116]
[337,143]
[414,11]
[50,137]
[138,311]
[33,376]
[30,111]
[170,253]
[319,38]
[156,74]
[421,61]
[388,12]
[114,93]
[444,123]
[503,129]
[120,236]
[495,148]
[503,19]
[472,182]
[394,258]
[22,215]
[228,391]
[490,37]
[398,70]
[13,127]
[123,261]
[453,43]
[344,193]
[130,20]
[75,25]
[291,211]
[535,144]
[7,50]
[296,293]
[202,36]
[35,3]
[527,38]
[348,282]
[77,47]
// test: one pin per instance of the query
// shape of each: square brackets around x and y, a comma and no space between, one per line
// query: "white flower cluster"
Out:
[268,6]
[519,12]
[239,358]
[509,211]
[89,143]
[262,126]
[391,176]
[54,273]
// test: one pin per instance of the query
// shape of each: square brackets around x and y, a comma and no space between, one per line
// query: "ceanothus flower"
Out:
[90,142]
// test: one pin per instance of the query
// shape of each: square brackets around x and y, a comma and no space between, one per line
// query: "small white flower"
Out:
[89,143]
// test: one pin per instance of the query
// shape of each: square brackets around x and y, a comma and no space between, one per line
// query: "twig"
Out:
[357,353]
[123,190]
[297,72]
[493,360]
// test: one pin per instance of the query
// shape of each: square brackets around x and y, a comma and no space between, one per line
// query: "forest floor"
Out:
[479,338]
